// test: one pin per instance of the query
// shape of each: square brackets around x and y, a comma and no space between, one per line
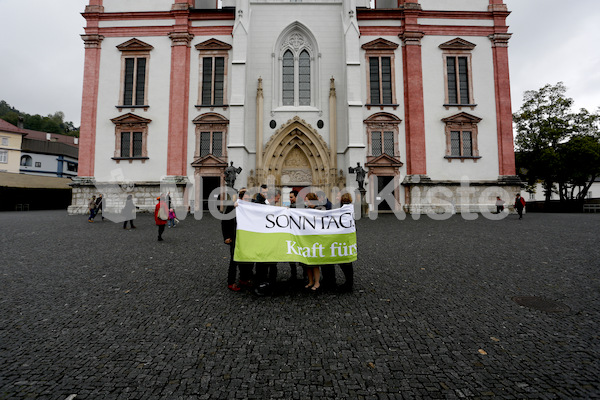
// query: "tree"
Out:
[53,123]
[544,119]
[580,159]
[556,145]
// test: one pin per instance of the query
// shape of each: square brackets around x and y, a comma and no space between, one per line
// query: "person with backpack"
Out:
[161,215]
[519,205]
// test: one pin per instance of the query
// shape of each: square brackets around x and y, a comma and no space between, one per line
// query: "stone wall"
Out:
[115,194]
[437,197]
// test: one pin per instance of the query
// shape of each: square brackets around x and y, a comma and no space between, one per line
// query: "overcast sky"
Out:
[41,52]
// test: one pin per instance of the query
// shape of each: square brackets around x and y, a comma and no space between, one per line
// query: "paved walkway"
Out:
[98,312]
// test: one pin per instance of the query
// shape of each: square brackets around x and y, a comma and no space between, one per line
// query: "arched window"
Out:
[287,73]
[296,69]
[295,73]
[26,161]
[304,79]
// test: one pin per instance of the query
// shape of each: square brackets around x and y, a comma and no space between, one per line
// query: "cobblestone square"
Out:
[92,310]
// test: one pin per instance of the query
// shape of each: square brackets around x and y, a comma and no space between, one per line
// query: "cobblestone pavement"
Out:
[99,312]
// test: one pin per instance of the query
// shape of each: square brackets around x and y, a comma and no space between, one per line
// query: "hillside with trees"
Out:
[52,123]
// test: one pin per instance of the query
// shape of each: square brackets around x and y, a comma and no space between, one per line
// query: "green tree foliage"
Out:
[52,123]
[556,145]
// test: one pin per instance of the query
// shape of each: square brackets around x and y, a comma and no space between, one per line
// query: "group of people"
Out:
[519,205]
[95,207]
[261,277]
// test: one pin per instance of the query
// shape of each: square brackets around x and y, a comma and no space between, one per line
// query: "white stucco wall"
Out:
[438,168]
[399,93]
[137,5]
[158,100]
[267,23]
[452,5]
[194,98]
[48,165]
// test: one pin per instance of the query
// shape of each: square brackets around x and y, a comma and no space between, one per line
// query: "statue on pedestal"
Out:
[230,174]
[360,175]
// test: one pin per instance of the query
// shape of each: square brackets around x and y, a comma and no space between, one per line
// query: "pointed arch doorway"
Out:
[296,156]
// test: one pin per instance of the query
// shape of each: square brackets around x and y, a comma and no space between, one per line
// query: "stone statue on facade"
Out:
[360,175]
[231,173]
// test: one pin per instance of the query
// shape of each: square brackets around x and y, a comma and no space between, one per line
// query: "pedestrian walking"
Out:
[499,205]
[129,212]
[92,209]
[172,218]
[160,216]
[99,206]
[519,205]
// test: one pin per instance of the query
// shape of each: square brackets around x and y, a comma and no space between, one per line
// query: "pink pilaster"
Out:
[506,151]
[89,100]
[500,37]
[414,109]
[179,90]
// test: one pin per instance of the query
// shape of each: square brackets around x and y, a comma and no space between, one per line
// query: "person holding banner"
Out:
[264,284]
[313,237]
[246,268]
[293,265]
[228,228]
[347,268]
[313,271]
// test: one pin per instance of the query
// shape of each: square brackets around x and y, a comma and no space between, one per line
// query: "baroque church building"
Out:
[296,93]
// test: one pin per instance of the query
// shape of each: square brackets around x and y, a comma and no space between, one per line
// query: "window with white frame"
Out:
[214,58]
[3,157]
[135,56]
[461,136]
[211,135]
[382,134]
[5,141]
[131,137]
[380,55]
[458,77]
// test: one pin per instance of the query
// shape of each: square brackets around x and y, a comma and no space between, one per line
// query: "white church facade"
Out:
[295,93]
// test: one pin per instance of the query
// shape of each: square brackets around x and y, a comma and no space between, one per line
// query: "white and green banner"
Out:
[272,234]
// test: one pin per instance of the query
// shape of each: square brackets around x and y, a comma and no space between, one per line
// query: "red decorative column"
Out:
[89,100]
[414,109]
[179,91]
[506,150]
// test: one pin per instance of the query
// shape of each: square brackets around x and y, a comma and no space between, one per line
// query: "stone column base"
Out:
[426,196]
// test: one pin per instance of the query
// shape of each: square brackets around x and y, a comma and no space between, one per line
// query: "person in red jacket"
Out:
[161,207]
[519,205]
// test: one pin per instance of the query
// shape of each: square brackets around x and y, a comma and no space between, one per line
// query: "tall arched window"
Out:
[304,79]
[296,69]
[295,73]
[287,74]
